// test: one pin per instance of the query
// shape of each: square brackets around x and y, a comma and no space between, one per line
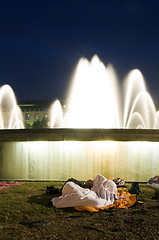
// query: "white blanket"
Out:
[101,194]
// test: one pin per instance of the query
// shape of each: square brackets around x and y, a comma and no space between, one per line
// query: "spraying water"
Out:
[95,100]
[10,113]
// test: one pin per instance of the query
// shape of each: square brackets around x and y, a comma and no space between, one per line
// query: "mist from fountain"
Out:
[95,100]
[10,113]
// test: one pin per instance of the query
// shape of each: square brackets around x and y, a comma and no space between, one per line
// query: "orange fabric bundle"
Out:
[128,200]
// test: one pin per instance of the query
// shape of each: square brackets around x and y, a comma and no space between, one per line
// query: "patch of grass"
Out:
[29,202]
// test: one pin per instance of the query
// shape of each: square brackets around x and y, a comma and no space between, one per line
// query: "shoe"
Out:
[135,189]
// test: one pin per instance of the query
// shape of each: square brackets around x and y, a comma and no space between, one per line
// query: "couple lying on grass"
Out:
[97,193]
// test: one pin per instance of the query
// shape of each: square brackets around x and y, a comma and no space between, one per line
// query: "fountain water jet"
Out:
[95,100]
[56,114]
[10,113]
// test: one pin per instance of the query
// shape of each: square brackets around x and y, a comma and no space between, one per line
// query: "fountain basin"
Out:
[78,134]
[57,154]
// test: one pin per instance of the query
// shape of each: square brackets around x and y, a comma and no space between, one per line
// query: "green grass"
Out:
[28,202]
[25,201]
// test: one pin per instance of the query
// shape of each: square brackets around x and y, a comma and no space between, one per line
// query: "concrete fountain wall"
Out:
[57,154]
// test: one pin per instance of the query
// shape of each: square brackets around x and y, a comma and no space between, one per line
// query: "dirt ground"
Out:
[138,222]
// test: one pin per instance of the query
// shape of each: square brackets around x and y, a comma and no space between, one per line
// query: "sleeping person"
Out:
[99,192]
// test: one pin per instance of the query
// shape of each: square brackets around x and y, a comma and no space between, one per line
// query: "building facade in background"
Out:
[35,114]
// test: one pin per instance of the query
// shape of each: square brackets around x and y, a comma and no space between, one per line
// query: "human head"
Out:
[89,183]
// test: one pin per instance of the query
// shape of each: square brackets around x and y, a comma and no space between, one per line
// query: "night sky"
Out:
[41,41]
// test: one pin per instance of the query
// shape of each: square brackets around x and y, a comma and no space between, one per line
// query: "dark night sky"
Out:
[41,42]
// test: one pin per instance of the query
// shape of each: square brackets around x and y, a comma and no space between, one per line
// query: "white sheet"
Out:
[100,195]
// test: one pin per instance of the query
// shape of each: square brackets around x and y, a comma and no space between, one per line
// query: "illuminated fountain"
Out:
[95,100]
[95,133]
[10,113]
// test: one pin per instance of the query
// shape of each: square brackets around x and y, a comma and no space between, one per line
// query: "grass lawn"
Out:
[25,214]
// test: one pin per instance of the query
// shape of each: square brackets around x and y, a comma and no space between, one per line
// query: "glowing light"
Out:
[133,86]
[56,114]
[10,113]
[146,111]
[60,160]
[95,100]
[92,93]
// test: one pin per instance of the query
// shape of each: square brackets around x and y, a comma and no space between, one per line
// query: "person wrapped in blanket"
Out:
[99,192]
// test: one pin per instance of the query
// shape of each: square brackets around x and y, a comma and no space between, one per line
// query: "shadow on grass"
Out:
[43,199]
[37,223]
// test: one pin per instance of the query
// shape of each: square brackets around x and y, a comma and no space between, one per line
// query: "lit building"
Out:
[34,112]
